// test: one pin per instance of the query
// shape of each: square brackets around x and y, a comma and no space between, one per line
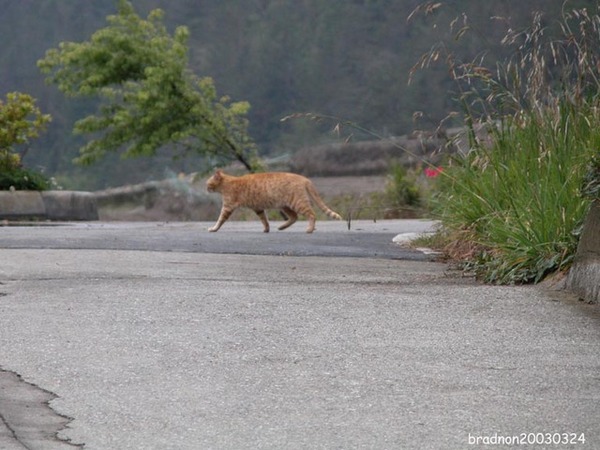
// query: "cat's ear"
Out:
[219,174]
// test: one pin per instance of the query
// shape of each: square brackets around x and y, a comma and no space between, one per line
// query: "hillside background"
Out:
[347,58]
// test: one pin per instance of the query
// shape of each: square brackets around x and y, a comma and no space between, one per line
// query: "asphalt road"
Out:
[332,238]
[174,348]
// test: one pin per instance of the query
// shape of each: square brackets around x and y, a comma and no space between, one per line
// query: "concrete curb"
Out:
[48,205]
[584,276]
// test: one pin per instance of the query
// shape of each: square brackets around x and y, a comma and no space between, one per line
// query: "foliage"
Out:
[150,98]
[519,198]
[515,195]
[20,121]
[21,178]
[401,188]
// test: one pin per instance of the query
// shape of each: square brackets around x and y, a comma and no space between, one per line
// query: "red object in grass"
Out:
[432,172]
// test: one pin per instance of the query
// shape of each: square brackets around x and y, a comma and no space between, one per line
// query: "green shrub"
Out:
[401,189]
[516,196]
[20,121]
[519,198]
[20,178]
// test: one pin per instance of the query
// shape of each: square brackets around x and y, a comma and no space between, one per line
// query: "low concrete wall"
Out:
[48,205]
[168,200]
[584,276]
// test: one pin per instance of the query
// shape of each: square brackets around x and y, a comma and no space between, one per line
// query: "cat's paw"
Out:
[212,229]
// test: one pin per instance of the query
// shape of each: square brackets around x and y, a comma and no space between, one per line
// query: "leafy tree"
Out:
[20,121]
[149,96]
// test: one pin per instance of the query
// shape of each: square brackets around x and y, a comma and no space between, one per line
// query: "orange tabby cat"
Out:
[288,192]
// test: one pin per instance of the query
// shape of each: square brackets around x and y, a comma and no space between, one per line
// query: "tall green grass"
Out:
[518,199]
[516,195]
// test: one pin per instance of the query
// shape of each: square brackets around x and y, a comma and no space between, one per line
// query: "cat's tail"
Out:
[312,191]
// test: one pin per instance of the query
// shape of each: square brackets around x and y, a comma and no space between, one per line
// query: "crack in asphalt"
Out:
[26,414]
[13,435]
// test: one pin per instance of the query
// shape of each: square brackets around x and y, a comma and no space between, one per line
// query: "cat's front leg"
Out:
[215,227]
[225,213]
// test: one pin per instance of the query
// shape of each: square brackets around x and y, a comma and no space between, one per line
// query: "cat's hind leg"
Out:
[311,221]
[263,218]
[291,217]
[308,212]
[302,207]
[225,213]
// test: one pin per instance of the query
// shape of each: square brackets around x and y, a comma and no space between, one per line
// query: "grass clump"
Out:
[519,199]
[516,196]
[402,189]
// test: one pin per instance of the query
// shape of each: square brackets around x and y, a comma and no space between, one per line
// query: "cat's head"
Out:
[214,183]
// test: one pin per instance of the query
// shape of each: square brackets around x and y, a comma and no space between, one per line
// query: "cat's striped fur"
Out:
[288,192]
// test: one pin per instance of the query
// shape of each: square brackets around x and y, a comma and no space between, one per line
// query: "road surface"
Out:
[169,347]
